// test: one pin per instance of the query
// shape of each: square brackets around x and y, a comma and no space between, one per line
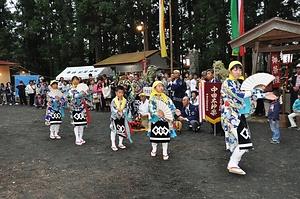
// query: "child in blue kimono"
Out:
[119,120]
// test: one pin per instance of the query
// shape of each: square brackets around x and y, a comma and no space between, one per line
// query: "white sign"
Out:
[147,90]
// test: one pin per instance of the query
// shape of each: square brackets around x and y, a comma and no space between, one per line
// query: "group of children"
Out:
[161,130]
[78,110]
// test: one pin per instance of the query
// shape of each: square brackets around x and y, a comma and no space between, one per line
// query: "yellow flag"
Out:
[163,48]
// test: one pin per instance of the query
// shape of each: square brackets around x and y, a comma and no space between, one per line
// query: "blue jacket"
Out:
[273,113]
[178,89]
[191,114]
[296,105]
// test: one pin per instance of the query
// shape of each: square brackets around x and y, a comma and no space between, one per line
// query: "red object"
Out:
[212,102]
[275,70]
[144,62]
[241,26]
[88,117]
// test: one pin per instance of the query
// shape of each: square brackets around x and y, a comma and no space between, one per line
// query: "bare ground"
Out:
[33,166]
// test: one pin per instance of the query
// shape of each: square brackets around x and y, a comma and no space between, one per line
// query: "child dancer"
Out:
[237,135]
[54,111]
[78,110]
[161,129]
[119,120]
[273,117]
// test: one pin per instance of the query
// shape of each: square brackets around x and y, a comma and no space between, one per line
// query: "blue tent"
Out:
[25,79]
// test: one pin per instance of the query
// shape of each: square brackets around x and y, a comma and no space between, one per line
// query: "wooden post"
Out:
[171,36]
[254,57]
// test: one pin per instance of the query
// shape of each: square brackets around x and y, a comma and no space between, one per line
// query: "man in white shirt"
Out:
[194,83]
[143,112]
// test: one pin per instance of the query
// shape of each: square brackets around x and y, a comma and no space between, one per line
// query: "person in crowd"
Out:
[138,84]
[194,82]
[9,92]
[30,89]
[93,94]
[38,89]
[65,88]
[39,102]
[78,110]
[295,85]
[178,89]
[119,120]
[194,99]
[187,81]
[98,90]
[295,113]
[203,76]
[189,115]
[267,103]
[44,97]
[161,129]
[22,94]
[55,111]
[168,88]
[123,81]
[143,113]
[2,94]
[91,77]
[106,91]
[237,135]
[61,83]
[114,85]
[210,76]
[159,77]
[273,117]
[44,87]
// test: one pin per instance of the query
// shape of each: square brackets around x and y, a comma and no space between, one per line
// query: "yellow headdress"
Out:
[233,63]
[161,94]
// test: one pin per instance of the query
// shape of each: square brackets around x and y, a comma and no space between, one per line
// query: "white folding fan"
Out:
[54,93]
[82,87]
[257,79]
[161,106]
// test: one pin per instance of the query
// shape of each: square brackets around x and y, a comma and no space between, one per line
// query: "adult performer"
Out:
[237,135]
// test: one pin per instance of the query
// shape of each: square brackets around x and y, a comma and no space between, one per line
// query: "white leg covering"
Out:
[81,132]
[236,157]
[76,132]
[154,147]
[52,130]
[113,138]
[121,140]
[56,129]
[165,148]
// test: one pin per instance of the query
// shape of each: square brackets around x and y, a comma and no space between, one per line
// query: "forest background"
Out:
[45,36]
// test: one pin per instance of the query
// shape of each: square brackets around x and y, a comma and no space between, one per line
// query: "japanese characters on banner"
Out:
[275,70]
[210,102]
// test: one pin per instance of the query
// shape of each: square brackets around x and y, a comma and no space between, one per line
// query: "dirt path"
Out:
[33,166]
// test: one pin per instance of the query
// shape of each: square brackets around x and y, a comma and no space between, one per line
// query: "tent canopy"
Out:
[83,72]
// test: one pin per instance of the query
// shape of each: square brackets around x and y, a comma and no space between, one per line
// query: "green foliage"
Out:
[47,35]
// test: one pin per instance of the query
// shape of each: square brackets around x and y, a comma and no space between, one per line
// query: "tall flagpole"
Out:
[171,37]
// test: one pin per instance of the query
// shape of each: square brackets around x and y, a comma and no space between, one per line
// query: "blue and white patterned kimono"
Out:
[54,111]
[231,116]
[163,136]
[78,109]
[120,123]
